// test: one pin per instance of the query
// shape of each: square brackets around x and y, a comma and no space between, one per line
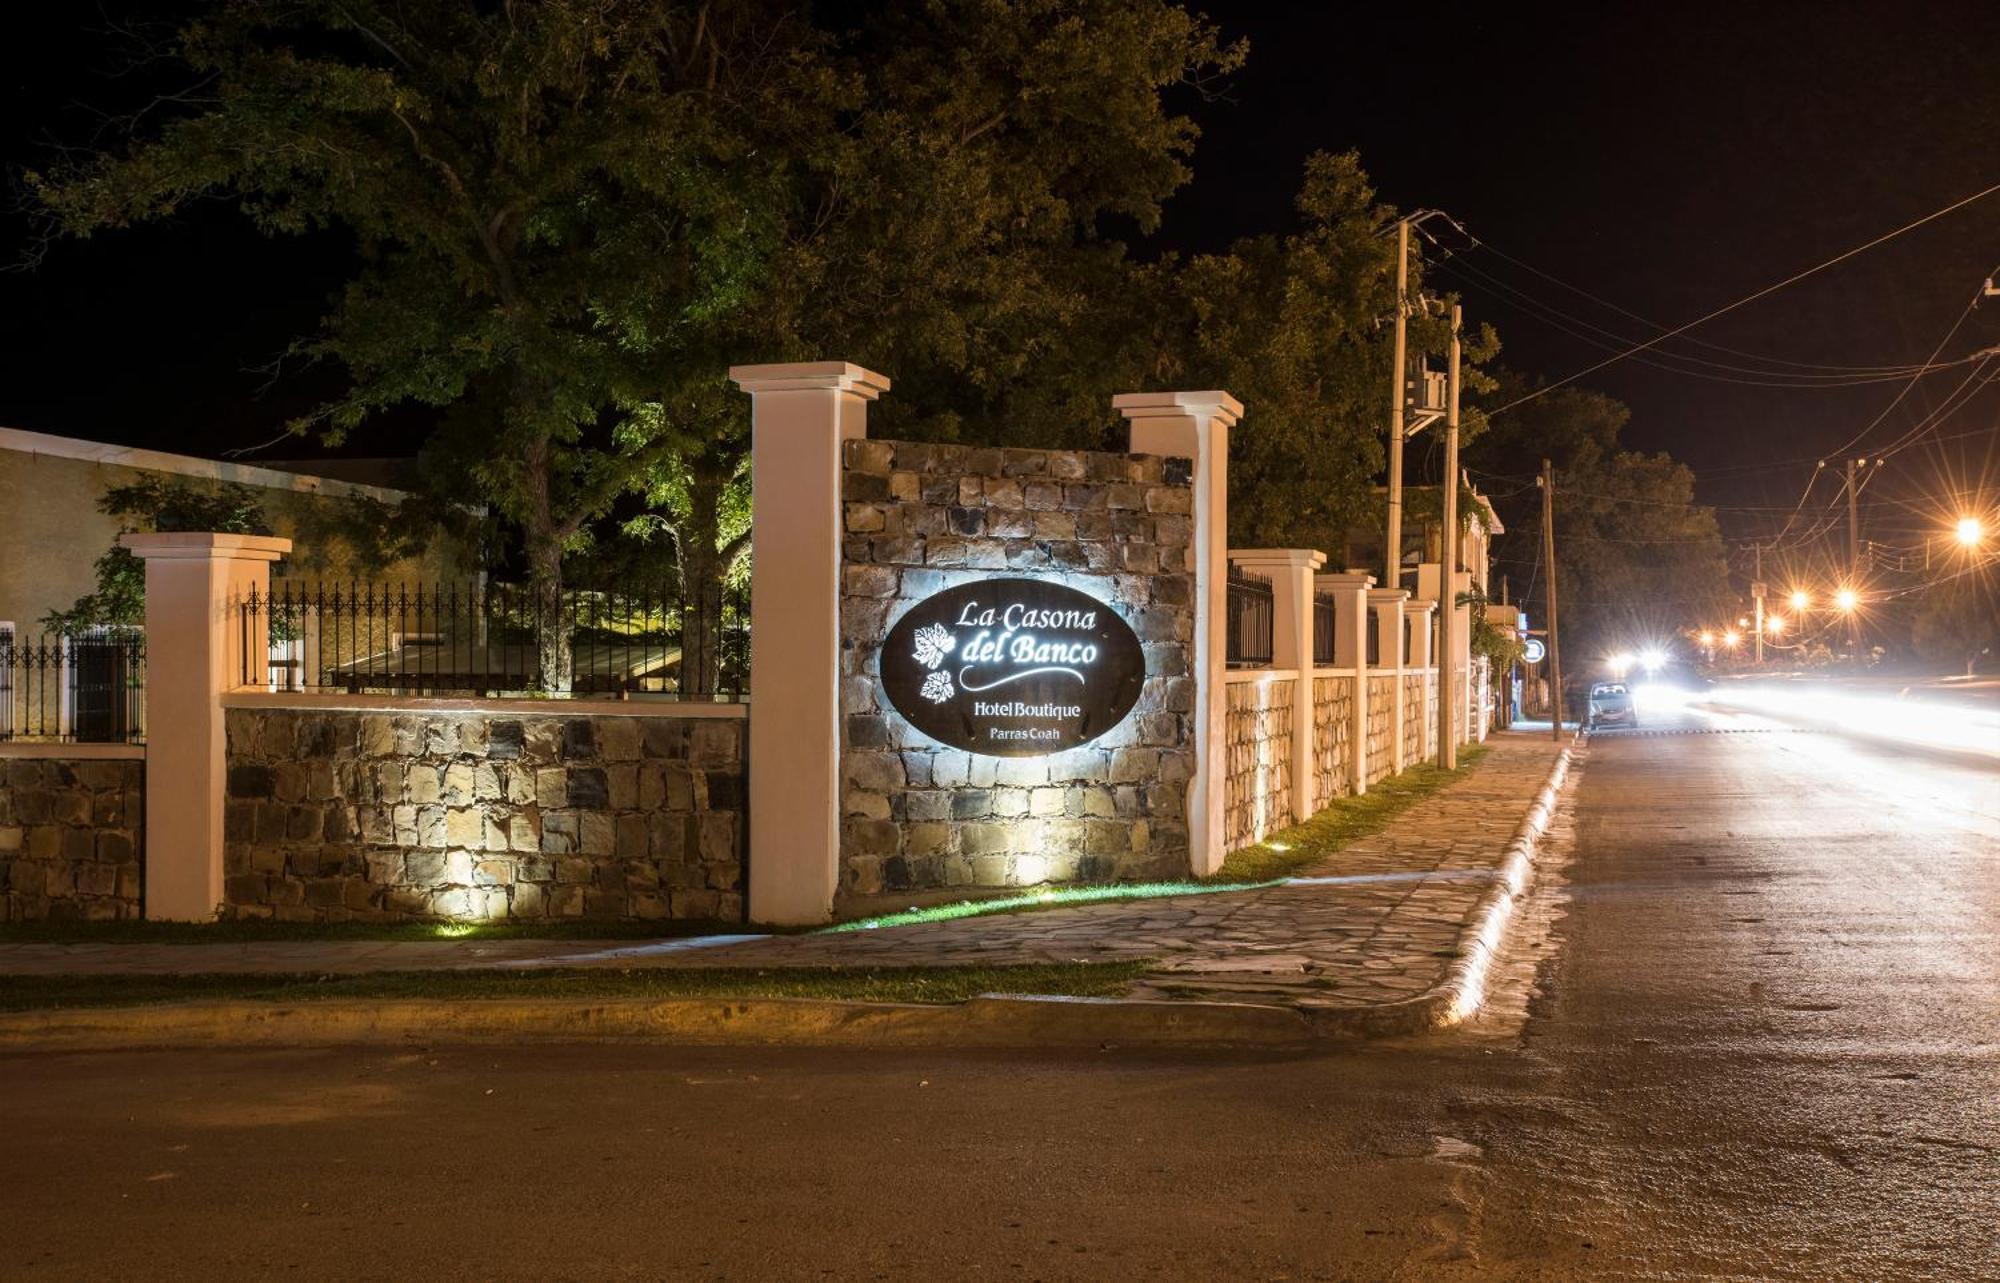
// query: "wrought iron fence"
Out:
[85,688]
[1252,616]
[499,639]
[1323,632]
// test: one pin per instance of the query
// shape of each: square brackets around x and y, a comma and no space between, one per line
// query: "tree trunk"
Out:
[554,662]
[702,571]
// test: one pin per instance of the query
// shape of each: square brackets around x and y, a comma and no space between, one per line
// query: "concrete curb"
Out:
[991,1021]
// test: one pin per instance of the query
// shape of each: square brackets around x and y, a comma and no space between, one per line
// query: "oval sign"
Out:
[1534,651]
[1012,667]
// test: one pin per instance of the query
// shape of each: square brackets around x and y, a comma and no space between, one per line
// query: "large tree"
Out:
[570,217]
[1637,558]
[1958,620]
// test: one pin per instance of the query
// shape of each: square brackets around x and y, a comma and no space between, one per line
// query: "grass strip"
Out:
[866,984]
[252,931]
[1042,898]
[1286,854]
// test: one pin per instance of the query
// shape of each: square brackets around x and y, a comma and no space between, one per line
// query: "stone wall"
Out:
[339,815]
[1413,718]
[1257,750]
[1381,726]
[922,518]
[1333,726]
[71,835]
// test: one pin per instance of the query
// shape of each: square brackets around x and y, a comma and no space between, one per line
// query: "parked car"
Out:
[1610,702]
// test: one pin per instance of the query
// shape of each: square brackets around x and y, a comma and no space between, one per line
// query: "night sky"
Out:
[1670,158]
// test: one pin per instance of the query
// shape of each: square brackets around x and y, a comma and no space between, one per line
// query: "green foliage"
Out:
[1637,558]
[1298,327]
[1499,645]
[168,503]
[1958,622]
[152,503]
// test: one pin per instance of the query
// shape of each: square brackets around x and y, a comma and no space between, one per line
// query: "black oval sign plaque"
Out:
[1012,667]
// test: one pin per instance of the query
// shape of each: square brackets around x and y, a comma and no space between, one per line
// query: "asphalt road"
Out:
[1749,1029]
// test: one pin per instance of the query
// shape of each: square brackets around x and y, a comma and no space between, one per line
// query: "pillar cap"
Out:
[188,545]
[808,376]
[1296,558]
[1383,596]
[1212,404]
[1419,606]
[1345,579]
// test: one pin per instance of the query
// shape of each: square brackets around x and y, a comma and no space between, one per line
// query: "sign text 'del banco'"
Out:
[1012,667]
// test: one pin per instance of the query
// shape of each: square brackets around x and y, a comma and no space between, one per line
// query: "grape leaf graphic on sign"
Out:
[938,688]
[934,642]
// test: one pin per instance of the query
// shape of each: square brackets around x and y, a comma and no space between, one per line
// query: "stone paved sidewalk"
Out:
[1379,922]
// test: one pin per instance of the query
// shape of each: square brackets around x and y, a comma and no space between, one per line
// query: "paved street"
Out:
[1745,1029]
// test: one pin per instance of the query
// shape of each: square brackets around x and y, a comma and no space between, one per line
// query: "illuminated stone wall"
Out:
[922,817]
[1333,722]
[1381,726]
[1257,743]
[1413,718]
[338,815]
[70,837]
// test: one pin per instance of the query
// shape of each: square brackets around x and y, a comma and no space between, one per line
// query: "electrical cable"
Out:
[1750,298]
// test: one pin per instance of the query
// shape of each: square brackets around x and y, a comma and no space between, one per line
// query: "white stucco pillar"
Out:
[801,415]
[1290,571]
[1195,426]
[1349,591]
[200,644]
[1419,659]
[1387,606]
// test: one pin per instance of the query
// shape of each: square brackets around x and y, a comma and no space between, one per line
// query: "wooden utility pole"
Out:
[1757,595]
[1449,695]
[1392,575]
[1549,563]
[1854,554]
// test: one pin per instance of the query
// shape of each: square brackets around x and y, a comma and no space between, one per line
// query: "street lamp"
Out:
[1618,664]
[1799,599]
[1970,531]
[1774,625]
[1847,599]
[1731,638]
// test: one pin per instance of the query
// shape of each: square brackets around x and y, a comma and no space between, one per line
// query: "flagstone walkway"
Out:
[1378,922]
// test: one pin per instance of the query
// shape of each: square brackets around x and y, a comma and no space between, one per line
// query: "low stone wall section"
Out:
[1257,748]
[1382,728]
[1413,718]
[917,815]
[71,835]
[342,815]
[1333,726]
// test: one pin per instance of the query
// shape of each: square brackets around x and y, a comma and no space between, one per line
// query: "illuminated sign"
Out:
[1012,667]
[1534,650]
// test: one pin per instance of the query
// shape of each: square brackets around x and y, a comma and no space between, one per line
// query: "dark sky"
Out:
[1668,157]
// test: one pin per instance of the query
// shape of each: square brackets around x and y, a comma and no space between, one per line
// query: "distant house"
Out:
[51,530]
[1423,543]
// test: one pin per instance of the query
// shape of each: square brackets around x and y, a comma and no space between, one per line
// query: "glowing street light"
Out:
[1732,638]
[1653,659]
[1970,531]
[1707,638]
[1847,599]
[1800,600]
[1618,664]
[1774,625]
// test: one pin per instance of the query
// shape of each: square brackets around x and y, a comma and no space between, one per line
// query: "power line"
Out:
[1750,298]
[1489,247]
